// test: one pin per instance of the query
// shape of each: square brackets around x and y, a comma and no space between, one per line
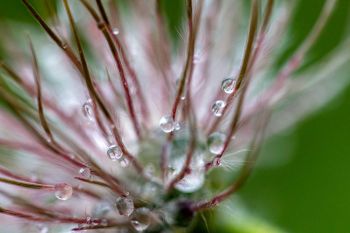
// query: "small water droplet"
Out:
[216,142]
[218,107]
[114,152]
[63,191]
[167,124]
[125,206]
[87,109]
[42,228]
[149,170]
[228,85]
[124,162]
[141,219]
[88,220]
[177,126]
[115,31]
[85,172]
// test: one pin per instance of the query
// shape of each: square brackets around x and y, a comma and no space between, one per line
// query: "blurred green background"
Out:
[309,193]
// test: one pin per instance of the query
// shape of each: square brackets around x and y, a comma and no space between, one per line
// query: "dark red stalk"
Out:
[239,108]
[96,97]
[108,34]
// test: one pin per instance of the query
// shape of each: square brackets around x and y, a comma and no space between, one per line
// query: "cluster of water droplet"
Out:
[168,125]
[140,218]
[228,86]
[92,221]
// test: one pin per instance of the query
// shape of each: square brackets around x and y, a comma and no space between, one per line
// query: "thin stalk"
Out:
[96,97]
[36,74]
[181,87]
[189,59]
[239,108]
[25,184]
[107,32]
[244,67]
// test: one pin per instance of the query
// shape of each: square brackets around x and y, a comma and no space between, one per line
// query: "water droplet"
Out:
[124,162]
[85,172]
[195,177]
[88,110]
[125,206]
[63,191]
[42,228]
[216,142]
[228,85]
[177,126]
[141,219]
[191,182]
[218,107]
[149,170]
[167,124]
[114,152]
[88,220]
[116,31]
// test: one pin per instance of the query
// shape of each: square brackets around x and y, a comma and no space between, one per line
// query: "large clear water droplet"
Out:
[85,172]
[141,219]
[191,182]
[194,179]
[88,110]
[114,152]
[125,206]
[216,142]
[63,191]
[228,85]
[218,107]
[167,124]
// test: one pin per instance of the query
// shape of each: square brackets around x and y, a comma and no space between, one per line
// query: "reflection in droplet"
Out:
[63,191]
[218,107]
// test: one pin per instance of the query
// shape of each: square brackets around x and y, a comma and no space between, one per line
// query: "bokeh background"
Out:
[302,183]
